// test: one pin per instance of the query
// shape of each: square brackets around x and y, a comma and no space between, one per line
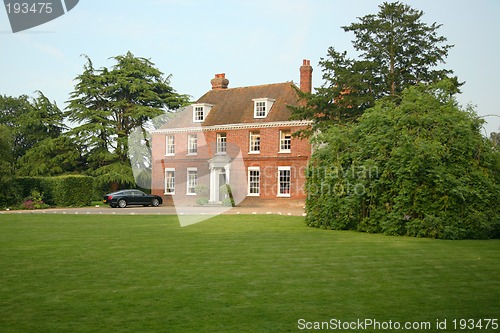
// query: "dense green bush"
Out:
[34,201]
[419,168]
[9,191]
[63,191]
[40,184]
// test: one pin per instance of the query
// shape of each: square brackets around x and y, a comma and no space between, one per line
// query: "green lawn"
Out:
[61,273]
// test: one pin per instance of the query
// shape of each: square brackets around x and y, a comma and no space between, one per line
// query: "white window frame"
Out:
[283,140]
[192,144]
[170,146]
[254,142]
[167,170]
[201,109]
[221,148]
[288,194]
[190,184]
[261,107]
[198,111]
[250,183]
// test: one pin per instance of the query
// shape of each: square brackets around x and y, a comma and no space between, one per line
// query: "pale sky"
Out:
[253,42]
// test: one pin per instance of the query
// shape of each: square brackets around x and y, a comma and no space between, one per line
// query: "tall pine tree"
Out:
[107,104]
[396,50]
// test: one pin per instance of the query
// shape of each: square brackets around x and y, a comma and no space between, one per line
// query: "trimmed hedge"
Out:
[63,191]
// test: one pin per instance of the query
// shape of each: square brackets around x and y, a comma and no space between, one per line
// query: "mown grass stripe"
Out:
[232,273]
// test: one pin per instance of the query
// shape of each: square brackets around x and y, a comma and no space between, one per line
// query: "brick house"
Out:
[236,136]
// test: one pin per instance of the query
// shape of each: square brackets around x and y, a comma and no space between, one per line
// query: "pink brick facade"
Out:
[232,143]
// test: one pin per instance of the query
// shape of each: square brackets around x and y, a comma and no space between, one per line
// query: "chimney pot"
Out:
[219,82]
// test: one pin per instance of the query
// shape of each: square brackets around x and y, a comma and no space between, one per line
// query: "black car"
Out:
[131,197]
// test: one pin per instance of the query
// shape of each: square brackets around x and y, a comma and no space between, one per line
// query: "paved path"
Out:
[165,210]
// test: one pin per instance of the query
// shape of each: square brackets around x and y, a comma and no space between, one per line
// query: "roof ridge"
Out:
[258,85]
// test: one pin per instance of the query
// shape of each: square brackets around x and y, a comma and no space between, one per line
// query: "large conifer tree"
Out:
[396,50]
[107,104]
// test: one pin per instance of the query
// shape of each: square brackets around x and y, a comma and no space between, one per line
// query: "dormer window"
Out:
[262,107]
[200,112]
[260,110]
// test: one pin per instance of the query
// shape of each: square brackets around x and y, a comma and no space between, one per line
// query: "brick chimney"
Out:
[219,82]
[306,76]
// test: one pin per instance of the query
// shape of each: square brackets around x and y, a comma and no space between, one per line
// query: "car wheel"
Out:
[155,202]
[122,203]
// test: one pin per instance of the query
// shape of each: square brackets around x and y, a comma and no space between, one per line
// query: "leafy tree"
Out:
[37,125]
[404,48]
[107,104]
[419,167]
[43,120]
[8,189]
[48,151]
[51,157]
[495,140]
[12,110]
[396,50]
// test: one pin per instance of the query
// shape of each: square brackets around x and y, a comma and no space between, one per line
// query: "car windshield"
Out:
[137,193]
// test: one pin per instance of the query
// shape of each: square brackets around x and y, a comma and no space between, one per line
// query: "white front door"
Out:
[218,177]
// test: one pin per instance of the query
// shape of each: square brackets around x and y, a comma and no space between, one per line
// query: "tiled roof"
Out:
[236,106]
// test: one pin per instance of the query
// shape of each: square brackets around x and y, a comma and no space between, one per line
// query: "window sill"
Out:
[191,194]
[253,195]
[169,193]
[170,155]
[253,152]
[283,196]
[285,152]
